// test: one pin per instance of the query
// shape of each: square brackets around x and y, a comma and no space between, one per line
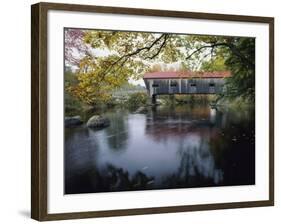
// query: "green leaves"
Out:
[216,63]
[130,54]
[242,66]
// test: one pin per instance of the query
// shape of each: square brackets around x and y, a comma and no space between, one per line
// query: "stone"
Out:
[141,110]
[72,121]
[98,121]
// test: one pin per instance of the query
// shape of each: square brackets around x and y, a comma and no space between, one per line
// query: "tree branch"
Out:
[230,46]
[137,51]
[160,48]
[203,47]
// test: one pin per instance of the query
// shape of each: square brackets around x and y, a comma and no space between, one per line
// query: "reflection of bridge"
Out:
[168,83]
[179,122]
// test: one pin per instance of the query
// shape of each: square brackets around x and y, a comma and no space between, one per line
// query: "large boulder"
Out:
[72,121]
[98,121]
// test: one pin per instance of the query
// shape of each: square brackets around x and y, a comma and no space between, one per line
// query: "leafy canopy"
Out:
[112,58]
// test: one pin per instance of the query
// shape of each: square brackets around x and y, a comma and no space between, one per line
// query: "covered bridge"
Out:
[187,82]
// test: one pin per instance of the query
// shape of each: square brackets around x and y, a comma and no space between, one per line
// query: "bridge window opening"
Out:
[212,87]
[193,88]
[155,85]
[173,84]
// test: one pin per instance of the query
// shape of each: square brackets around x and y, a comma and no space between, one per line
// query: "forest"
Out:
[98,63]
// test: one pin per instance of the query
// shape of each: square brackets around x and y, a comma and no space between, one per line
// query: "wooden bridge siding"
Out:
[184,86]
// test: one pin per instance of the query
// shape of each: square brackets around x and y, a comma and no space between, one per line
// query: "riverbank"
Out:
[141,102]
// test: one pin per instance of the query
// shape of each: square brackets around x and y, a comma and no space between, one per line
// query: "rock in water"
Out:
[98,121]
[140,110]
[72,121]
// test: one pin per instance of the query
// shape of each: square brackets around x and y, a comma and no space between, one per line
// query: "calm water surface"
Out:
[167,147]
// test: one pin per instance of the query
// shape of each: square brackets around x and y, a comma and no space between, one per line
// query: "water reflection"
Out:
[117,132]
[169,147]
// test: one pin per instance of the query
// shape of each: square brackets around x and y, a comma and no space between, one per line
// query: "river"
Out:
[166,147]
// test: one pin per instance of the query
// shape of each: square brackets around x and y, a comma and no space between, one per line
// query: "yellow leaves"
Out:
[94,87]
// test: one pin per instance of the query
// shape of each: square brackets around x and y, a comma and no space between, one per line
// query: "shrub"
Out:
[137,99]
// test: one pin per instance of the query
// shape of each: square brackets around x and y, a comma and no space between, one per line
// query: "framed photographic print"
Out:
[139,111]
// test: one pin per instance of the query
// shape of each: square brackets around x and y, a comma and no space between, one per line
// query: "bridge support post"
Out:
[153,99]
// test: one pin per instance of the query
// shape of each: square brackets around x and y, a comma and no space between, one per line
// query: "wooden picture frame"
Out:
[39,109]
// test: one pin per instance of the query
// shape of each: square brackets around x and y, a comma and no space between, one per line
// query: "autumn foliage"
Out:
[105,60]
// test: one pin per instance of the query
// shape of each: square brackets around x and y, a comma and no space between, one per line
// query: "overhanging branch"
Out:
[228,45]
[125,57]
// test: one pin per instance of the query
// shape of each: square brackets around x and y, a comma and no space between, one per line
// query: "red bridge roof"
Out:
[186,74]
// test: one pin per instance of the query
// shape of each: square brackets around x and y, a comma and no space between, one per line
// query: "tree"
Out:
[214,64]
[74,49]
[242,82]
[128,59]
[128,55]
[236,54]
